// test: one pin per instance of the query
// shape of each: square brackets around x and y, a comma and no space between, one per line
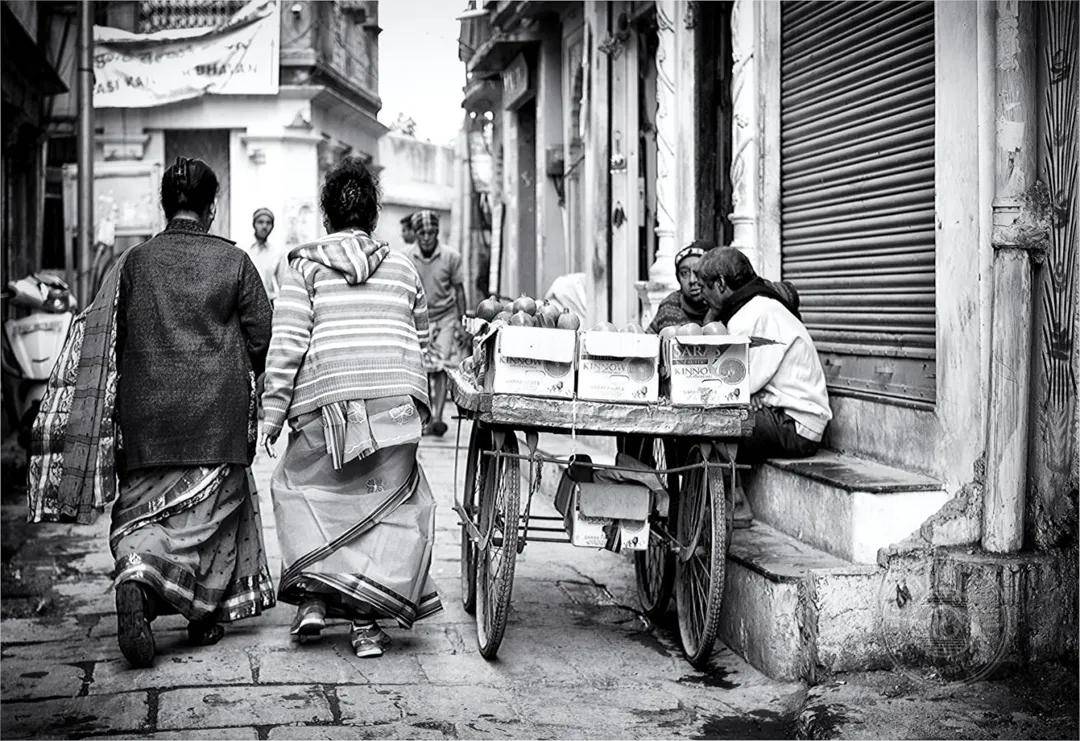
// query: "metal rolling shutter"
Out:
[857,190]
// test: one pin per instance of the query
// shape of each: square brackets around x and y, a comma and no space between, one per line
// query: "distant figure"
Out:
[355,516]
[569,292]
[408,236]
[266,254]
[440,271]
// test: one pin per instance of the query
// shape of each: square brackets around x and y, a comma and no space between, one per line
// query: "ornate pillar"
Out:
[662,272]
[745,172]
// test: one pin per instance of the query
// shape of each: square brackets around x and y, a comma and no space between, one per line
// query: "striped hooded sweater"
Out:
[350,322]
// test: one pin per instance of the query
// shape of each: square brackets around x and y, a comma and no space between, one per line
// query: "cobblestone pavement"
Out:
[577,661]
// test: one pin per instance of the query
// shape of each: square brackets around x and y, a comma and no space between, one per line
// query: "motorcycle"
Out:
[32,343]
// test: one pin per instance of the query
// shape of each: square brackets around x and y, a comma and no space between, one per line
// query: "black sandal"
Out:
[133,631]
[205,633]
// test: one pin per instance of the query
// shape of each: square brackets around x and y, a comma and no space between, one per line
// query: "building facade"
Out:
[911,167]
[268,150]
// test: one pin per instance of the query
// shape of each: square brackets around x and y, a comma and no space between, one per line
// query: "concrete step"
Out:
[847,506]
[797,612]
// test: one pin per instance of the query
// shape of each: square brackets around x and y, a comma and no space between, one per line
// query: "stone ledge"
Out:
[856,474]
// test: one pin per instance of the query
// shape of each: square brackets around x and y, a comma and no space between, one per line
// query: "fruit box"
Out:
[532,361]
[615,366]
[709,370]
[604,515]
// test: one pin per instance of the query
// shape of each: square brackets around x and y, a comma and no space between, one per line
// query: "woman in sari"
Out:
[355,517]
[192,331]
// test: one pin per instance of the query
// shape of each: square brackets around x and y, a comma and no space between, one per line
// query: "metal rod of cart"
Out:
[688,538]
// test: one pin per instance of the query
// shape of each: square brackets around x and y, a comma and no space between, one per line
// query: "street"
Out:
[577,662]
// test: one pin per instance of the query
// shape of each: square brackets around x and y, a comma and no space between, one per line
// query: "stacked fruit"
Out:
[527,312]
[691,329]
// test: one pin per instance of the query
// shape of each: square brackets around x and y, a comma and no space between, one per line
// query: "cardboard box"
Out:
[601,515]
[532,361]
[616,366]
[708,371]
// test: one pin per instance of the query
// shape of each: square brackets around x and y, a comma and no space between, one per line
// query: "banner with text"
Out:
[237,57]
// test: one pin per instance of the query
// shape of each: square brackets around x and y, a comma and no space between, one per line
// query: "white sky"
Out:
[419,71]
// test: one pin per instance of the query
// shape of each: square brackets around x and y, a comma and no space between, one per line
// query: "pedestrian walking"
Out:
[265,253]
[355,516]
[168,353]
[440,272]
[408,236]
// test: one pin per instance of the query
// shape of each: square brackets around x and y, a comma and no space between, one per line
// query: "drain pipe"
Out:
[85,141]
[1018,236]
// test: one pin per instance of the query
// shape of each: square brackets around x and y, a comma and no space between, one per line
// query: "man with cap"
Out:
[265,254]
[687,304]
[439,267]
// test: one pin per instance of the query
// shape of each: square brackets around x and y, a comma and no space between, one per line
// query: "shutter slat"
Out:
[891,161]
[896,239]
[839,190]
[824,66]
[857,206]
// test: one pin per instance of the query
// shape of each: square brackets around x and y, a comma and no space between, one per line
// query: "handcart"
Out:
[687,544]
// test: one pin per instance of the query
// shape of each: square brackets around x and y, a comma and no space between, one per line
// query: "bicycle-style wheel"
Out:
[654,567]
[500,492]
[701,529]
[469,498]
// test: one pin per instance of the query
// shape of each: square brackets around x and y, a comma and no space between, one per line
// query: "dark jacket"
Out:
[674,311]
[193,328]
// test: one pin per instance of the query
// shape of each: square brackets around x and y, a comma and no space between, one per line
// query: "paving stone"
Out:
[202,665]
[89,649]
[321,662]
[463,669]
[573,707]
[379,731]
[39,630]
[457,704]
[239,734]
[207,707]
[369,704]
[25,679]
[74,716]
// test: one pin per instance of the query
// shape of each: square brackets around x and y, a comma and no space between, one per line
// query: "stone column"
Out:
[662,272]
[1018,233]
[745,171]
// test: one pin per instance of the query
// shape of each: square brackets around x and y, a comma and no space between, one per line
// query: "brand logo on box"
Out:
[550,367]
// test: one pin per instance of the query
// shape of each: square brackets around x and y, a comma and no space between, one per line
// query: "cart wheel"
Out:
[499,492]
[699,570]
[654,568]
[469,498]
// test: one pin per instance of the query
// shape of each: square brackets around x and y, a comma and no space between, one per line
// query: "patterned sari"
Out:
[193,535]
[355,516]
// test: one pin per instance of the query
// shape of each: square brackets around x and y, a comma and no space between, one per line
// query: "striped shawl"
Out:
[350,322]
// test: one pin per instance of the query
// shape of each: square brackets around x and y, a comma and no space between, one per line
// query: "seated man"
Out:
[789,402]
[685,305]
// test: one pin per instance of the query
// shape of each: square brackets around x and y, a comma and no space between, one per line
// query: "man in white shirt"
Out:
[265,254]
[789,401]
